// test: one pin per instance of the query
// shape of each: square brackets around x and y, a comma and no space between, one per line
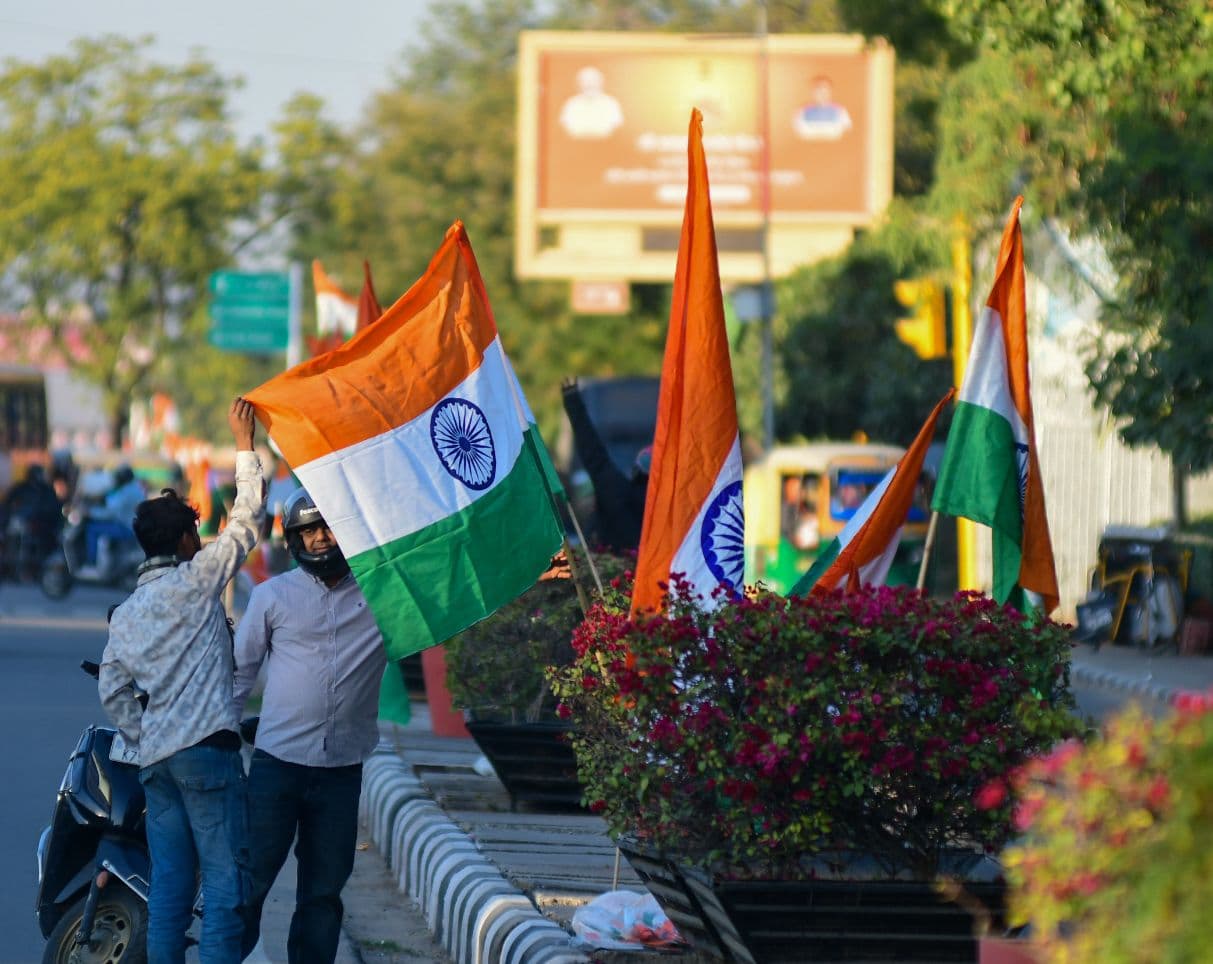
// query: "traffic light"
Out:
[926,329]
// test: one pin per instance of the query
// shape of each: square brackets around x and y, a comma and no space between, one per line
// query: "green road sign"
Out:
[252,340]
[251,286]
[250,310]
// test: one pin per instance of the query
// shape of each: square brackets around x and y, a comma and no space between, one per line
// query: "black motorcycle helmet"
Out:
[299,512]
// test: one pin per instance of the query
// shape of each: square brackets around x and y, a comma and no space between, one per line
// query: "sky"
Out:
[342,51]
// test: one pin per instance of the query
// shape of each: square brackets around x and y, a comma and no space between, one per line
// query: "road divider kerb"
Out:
[477,915]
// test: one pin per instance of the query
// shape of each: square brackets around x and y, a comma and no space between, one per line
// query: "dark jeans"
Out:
[196,821]
[321,803]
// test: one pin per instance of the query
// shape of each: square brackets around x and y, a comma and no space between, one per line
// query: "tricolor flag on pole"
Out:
[416,442]
[336,311]
[863,552]
[693,521]
[990,472]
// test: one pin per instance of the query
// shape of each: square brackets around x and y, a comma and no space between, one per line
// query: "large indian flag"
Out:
[417,444]
[990,472]
[693,522]
[863,552]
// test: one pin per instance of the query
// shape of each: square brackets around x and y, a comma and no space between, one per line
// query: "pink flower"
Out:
[992,795]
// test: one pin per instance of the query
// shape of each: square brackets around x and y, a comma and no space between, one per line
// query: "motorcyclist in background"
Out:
[109,527]
[32,515]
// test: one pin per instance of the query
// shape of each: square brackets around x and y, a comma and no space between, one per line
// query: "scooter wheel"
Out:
[119,932]
[56,579]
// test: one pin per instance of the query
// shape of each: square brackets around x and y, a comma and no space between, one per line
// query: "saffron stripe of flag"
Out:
[418,446]
[863,551]
[693,521]
[990,472]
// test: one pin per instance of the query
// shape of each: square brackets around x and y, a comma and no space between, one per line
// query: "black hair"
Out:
[161,522]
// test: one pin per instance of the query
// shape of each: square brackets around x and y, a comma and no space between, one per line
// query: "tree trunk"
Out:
[1179,495]
[117,417]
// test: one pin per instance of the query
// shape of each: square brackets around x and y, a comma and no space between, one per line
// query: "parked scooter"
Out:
[93,863]
[68,564]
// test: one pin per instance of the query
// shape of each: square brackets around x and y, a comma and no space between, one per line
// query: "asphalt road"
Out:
[45,703]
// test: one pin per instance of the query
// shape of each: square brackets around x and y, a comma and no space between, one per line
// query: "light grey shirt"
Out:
[170,638]
[324,660]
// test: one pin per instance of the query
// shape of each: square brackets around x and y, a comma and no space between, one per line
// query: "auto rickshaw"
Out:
[799,497]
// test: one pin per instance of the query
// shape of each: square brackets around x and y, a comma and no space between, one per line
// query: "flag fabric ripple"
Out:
[990,472]
[417,444]
[693,522]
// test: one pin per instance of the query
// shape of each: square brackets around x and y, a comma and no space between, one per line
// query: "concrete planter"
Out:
[791,921]
[533,761]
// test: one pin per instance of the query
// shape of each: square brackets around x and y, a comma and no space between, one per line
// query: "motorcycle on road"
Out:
[68,564]
[94,868]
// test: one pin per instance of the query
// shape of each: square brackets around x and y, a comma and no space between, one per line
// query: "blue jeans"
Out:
[321,803]
[117,533]
[196,820]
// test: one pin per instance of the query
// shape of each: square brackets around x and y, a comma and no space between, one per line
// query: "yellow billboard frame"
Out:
[608,245]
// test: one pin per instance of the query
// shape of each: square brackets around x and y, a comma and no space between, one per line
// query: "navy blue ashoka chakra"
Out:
[464,444]
[722,537]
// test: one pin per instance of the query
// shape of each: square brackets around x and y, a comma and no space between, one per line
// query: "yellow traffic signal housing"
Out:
[926,329]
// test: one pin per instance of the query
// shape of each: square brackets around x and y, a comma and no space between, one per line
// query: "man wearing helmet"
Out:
[323,659]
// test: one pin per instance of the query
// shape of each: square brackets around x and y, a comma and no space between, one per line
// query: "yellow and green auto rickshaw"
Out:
[799,497]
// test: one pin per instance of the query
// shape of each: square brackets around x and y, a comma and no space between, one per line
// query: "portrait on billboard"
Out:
[822,118]
[591,113]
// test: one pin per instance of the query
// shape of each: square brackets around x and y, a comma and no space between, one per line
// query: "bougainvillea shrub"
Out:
[771,730]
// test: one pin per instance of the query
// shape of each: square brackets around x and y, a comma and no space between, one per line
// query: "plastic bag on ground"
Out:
[624,920]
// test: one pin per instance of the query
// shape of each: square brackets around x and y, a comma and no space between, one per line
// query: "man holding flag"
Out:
[427,480]
[323,658]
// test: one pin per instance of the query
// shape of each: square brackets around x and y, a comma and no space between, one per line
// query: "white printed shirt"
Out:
[171,639]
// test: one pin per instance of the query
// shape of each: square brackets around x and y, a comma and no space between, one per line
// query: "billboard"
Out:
[797,132]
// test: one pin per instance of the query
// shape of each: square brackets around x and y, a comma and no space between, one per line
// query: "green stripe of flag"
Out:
[979,480]
[429,585]
[817,570]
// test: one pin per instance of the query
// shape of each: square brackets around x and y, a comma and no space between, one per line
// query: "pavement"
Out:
[1157,674]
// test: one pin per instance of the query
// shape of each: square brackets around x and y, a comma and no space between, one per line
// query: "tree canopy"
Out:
[121,186]
[1130,87]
